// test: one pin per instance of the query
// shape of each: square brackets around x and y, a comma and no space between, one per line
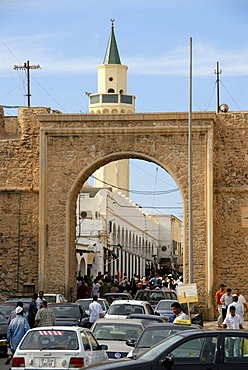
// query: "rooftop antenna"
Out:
[27,68]
[218,71]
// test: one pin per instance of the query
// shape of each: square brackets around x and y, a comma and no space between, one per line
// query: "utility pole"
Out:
[27,68]
[218,71]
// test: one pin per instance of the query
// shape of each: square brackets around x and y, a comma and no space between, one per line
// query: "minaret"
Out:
[112,83]
[112,98]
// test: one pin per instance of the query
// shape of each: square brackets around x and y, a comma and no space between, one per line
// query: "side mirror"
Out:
[168,360]
[103,347]
[131,342]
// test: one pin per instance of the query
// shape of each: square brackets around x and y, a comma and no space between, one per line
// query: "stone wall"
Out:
[43,168]
[231,201]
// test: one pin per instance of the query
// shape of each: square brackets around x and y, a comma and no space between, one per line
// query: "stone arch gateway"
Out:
[73,147]
[47,156]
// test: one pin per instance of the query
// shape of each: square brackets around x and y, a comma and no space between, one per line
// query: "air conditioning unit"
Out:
[86,215]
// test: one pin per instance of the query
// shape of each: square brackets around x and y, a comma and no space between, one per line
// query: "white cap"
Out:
[19,309]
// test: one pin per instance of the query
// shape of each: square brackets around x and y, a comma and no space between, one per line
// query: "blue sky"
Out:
[69,38]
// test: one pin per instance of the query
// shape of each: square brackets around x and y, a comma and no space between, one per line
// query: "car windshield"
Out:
[125,309]
[116,331]
[6,309]
[50,339]
[165,305]
[50,298]
[3,319]
[159,348]
[66,311]
[152,336]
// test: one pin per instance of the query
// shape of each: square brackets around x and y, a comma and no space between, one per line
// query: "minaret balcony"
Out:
[111,99]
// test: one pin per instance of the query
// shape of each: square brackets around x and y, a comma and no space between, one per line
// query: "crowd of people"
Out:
[39,314]
[231,307]
[105,283]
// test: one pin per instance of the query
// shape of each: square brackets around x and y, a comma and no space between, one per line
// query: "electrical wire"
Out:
[140,192]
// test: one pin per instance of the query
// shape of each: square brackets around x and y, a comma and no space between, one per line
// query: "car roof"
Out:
[144,316]
[116,293]
[58,328]
[64,304]
[171,325]
[118,321]
[129,301]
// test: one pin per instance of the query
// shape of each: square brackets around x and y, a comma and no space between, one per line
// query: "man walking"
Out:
[44,316]
[233,321]
[225,300]
[237,305]
[17,328]
[218,296]
[32,309]
[95,310]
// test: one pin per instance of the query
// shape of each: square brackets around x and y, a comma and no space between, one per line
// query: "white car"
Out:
[54,298]
[115,332]
[85,302]
[61,348]
[122,308]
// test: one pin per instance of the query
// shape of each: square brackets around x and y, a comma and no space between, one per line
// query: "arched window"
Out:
[111,90]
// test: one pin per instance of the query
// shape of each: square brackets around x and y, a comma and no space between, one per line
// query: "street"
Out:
[2,363]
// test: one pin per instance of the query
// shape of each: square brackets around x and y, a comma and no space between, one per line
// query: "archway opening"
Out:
[129,221]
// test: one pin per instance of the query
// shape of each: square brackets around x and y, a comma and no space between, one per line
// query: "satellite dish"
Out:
[83,215]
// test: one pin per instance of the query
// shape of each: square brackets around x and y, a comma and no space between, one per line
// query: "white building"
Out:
[113,234]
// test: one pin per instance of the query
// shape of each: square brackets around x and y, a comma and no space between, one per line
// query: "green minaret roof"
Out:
[112,55]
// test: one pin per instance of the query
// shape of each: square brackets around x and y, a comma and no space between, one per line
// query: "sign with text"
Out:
[187,293]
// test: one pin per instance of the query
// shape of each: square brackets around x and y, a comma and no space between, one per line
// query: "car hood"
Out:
[61,321]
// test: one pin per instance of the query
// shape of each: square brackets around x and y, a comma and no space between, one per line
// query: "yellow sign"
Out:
[187,293]
[181,322]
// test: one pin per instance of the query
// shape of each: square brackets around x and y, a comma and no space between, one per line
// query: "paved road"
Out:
[2,365]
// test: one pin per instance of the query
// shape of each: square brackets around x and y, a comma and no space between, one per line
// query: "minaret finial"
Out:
[112,23]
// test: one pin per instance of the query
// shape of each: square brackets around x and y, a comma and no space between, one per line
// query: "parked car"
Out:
[3,334]
[115,332]
[153,334]
[6,308]
[190,350]
[54,298]
[121,309]
[25,300]
[85,302]
[110,297]
[154,296]
[69,314]
[63,348]
[163,308]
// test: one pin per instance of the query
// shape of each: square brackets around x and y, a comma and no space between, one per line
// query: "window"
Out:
[92,342]
[85,341]
[195,351]
[236,349]
[111,91]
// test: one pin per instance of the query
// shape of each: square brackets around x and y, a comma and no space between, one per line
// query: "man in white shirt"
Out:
[178,314]
[241,300]
[95,310]
[238,307]
[226,300]
[233,321]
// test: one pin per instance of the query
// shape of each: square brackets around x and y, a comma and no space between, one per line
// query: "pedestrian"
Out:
[40,298]
[17,328]
[178,314]
[83,290]
[105,287]
[45,315]
[95,311]
[233,321]
[95,288]
[226,299]
[218,296]
[32,310]
[12,314]
[237,305]
[241,300]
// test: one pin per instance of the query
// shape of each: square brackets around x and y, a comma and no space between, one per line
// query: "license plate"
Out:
[48,362]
